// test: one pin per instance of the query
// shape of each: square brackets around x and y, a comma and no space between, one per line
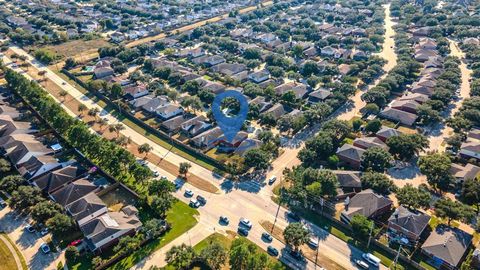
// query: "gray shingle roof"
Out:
[412,221]
[448,244]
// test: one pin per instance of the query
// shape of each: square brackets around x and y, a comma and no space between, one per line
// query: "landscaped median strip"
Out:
[73,103]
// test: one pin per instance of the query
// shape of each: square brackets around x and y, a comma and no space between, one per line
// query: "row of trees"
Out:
[113,159]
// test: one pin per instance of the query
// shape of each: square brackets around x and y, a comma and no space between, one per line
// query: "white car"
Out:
[245,222]
[272,180]
[44,232]
[188,193]
[45,248]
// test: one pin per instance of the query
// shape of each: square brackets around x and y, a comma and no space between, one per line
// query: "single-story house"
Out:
[195,126]
[367,142]
[102,72]
[246,145]
[261,102]
[19,152]
[9,126]
[351,155]
[409,106]
[175,123]
[38,165]
[259,76]
[229,69]
[366,203]
[447,246]
[168,111]
[407,223]
[54,180]
[470,149]
[299,89]
[386,132]
[135,91]
[277,111]
[462,173]
[87,208]
[207,139]
[403,117]
[349,180]
[319,95]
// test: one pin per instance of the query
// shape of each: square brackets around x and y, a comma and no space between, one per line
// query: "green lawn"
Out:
[6,257]
[180,217]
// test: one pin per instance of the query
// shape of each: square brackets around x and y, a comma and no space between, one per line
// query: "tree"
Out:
[377,159]
[69,63]
[257,158]
[405,146]
[370,108]
[180,257]
[413,197]
[162,203]
[145,149]
[239,254]
[93,112]
[127,245]
[45,210]
[116,128]
[153,228]
[361,226]
[295,235]
[11,183]
[373,126]
[215,255]
[183,168]
[471,193]
[319,183]
[160,187]
[4,165]
[63,95]
[25,197]
[446,208]
[60,223]
[436,167]
[378,182]
[72,254]
[81,108]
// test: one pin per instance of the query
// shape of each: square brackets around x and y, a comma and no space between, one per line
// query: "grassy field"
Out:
[75,48]
[6,257]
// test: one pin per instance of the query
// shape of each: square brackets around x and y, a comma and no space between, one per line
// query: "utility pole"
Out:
[370,234]
[278,209]
[396,257]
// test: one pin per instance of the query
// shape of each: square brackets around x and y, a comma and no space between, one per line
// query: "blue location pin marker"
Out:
[230,125]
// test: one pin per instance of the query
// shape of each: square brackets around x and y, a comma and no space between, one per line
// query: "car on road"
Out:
[362,264]
[224,220]
[178,185]
[29,228]
[272,180]
[272,251]
[267,236]
[189,193]
[44,232]
[297,255]
[294,217]
[156,174]
[194,203]
[245,222]
[313,243]
[75,243]
[45,248]
[242,231]
[2,203]
[142,162]
[201,200]
[370,258]
[64,83]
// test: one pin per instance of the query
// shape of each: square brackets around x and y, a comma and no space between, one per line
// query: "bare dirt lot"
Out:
[77,48]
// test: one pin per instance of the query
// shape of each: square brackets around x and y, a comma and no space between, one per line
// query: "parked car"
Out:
[362,264]
[224,220]
[245,222]
[201,200]
[294,216]
[188,193]
[44,232]
[313,243]
[272,251]
[156,174]
[242,231]
[2,203]
[371,259]
[267,237]
[272,180]
[297,255]
[194,203]
[30,228]
[45,248]
[75,243]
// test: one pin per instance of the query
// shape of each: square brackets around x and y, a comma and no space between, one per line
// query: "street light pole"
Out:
[370,234]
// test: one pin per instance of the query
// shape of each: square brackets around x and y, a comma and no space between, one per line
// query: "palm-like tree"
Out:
[81,108]
[93,112]
[102,122]
[116,128]
[145,149]
[63,94]
[43,73]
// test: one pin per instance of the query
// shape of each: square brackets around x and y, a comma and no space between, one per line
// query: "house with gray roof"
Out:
[8,126]
[38,165]
[246,145]
[19,152]
[54,180]
[72,192]
[105,230]
[194,126]
[366,203]
[87,208]
[405,118]
[407,223]
[386,132]
[348,180]
[207,139]
[174,124]
[447,246]
[470,149]
[368,142]
[464,172]
[168,111]
[350,155]
[319,95]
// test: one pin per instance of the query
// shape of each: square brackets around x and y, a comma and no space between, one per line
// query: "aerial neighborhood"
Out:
[240,134]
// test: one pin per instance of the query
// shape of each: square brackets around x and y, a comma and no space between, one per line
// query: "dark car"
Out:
[293,216]
[297,255]
[242,231]
[2,203]
[224,220]
[272,251]
[267,237]
[201,200]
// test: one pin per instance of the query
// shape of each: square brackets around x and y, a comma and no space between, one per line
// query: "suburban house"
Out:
[54,180]
[407,223]
[259,76]
[462,173]
[318,95]
[367,142]
[229,69]
[236,141]
[349,183]
[105,230]
[447,246]
[87,208]
[277,111]
[246,145]
[103,72]
[409,106]
[261,102]
[8,126]
[72,191]
[299,89]
[135,91]
[195,126]
[207,139]
[350,155]
[175,123]
[168,111]
[387,132]
[19,152]
[405,118]
[366,203]
[417,97]
[38,165]
[470,149]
